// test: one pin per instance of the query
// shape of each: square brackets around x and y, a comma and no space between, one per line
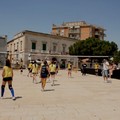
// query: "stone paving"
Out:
[76,98]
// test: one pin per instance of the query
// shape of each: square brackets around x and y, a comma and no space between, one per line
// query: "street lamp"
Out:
[29,57]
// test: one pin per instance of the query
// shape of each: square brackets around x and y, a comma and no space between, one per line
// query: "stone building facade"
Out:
[30,45]
[3,50]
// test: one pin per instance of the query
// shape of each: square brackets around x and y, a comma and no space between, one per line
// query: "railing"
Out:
[55,52]
[64,53]
[97,33]
[74,31]
[45,51]
[34,50]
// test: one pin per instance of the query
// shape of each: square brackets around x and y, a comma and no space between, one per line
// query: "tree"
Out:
[116,57]
[93,46]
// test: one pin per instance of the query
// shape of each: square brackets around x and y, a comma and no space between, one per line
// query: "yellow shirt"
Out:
[96,66]
[7,72]
[52,67]
[69,66]
[30,65]
[34,68]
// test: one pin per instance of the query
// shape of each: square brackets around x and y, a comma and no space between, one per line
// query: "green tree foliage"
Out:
[116,57]
[92,46]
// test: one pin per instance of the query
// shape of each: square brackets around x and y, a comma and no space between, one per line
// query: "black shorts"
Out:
[30,70]
[52,73]
[69,69]
[43,75]
[7,79]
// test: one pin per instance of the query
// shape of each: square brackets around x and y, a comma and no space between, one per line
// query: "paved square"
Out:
[77,98]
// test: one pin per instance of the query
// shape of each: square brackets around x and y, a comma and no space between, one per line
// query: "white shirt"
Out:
[105,65]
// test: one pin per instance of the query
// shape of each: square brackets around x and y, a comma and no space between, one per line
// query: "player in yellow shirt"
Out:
[69,66]
[34,71]
[52,68]
[30,69]
[96,66]
[7,75]
[44,71]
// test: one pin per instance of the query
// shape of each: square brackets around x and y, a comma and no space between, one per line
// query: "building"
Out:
[78,30]
[30,45]
[3,50]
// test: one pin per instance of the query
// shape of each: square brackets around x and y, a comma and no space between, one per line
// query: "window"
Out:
[20,45]
[33,45]
[64,48]
[14,46]
[62,32]
[58,31]
[44,46]
[10,47]
[17,46]
[54,47]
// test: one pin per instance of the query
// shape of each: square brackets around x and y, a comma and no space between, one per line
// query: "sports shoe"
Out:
[13,98]
[1,97]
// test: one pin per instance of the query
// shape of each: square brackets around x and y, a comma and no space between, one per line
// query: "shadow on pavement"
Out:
[56,84]
[17,97]
[49,90]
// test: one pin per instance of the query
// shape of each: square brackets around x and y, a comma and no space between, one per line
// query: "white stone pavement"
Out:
[77,98]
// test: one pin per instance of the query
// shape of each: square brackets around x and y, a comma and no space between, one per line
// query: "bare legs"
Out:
[43,83]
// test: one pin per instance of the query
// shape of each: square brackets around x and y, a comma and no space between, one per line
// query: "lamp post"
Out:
[29,56]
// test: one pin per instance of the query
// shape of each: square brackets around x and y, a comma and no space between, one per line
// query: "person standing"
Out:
[96,66]
[21,69]
[69,69]
[44,72]
[105,70]
[57,67]
[34,71]
[7,75]
[84,65]
[30,69]
[52,68]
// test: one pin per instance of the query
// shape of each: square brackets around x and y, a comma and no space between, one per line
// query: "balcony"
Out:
[55,53]
[34,51]
[97,33]
[74,31]
[64,53]
[74,36]
[45,52]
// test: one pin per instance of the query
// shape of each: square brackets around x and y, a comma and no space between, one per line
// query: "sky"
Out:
[39,15]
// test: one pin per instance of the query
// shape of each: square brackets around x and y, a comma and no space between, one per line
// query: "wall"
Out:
[3,50]
[39,38]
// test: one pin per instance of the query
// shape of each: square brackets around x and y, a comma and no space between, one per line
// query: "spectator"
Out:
[83,70]
[96,66]
[105,70]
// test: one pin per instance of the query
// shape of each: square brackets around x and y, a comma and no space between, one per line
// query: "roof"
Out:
[18,35]
[77,23]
